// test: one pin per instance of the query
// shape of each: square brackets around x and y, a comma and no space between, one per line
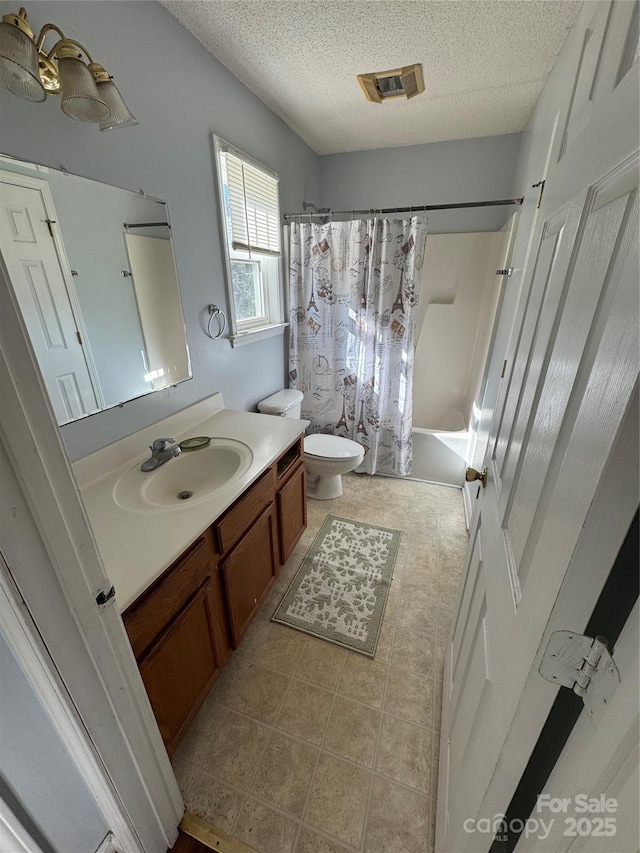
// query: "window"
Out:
[248,196]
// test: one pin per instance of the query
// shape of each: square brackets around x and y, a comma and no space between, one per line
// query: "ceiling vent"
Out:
[384,85]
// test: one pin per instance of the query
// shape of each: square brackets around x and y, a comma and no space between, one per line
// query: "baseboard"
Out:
[212,837]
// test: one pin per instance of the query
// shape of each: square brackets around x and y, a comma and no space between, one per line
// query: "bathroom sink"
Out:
[188,479]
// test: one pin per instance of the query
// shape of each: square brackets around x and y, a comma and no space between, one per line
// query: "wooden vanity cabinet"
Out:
[257,535]
[247,539]
[185,626]
[179,636]
[249,571]
[180,667]
[291,499]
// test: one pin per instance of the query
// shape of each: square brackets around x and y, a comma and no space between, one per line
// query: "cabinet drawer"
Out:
[245,510]
[148,616]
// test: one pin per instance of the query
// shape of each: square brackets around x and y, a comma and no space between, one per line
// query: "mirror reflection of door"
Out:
[44,289]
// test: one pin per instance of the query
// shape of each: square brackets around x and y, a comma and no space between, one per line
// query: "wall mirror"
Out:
[93,271]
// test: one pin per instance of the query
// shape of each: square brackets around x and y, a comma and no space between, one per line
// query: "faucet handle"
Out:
[160,443]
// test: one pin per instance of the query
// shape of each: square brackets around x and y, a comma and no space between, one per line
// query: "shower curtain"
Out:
[354,290]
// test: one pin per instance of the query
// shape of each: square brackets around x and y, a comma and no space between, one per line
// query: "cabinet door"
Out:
[181,666]
[292,512]
[249,571]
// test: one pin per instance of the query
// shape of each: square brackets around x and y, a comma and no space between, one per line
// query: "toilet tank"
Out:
[285,404]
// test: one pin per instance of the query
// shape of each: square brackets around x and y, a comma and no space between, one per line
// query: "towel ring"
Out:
[214,311]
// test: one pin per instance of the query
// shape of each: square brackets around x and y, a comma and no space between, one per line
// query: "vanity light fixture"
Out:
[87,91]
[383,85]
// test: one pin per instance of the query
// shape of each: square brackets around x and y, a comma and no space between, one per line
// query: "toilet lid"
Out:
[332,446]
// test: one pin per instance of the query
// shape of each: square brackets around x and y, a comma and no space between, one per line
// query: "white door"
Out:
[39,285]
[573,367]
[490,380]
[573,376]
[597,761]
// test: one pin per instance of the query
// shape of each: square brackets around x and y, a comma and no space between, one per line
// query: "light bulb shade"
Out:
[79,94]
[119,114]
[19,64]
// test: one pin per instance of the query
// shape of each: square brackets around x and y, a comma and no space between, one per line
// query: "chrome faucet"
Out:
[160,454]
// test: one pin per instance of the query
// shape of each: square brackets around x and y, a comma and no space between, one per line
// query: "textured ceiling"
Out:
[484,63]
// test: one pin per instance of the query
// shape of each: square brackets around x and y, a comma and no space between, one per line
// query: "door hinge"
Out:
[50,224]
[504,369]
[79,337]
[505,271]
[105,594]
[584,665]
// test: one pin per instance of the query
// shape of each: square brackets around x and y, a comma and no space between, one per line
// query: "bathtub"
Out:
[440,455]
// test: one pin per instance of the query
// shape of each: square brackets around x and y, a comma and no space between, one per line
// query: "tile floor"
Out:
[304,747]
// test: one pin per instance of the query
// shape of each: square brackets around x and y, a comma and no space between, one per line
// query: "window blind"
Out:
[253,204]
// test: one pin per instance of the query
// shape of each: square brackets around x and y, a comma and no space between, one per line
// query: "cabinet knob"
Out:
[255,600]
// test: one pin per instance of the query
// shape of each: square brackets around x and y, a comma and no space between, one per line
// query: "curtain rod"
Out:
[415,209]
[145,224]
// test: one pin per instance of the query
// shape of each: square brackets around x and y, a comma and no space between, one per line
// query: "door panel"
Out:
[596,252]
[473,586]
[558,232]
[587,74]
[39,285]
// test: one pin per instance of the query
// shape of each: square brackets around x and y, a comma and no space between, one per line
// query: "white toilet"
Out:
[327,457]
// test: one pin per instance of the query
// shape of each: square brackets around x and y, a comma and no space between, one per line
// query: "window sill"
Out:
[251,335]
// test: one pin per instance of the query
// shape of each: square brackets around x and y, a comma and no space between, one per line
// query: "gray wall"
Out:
[38,779]
[180,95]
[435,173]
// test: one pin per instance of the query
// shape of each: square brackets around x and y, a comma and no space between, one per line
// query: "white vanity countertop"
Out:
[136,547]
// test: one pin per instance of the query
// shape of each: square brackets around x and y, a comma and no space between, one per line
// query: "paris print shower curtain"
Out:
[354,290]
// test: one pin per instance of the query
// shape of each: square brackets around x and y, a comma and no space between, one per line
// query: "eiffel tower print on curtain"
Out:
[312,299]
[398,305]
[343,417]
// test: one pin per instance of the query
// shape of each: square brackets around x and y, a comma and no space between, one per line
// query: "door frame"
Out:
[21,635]
[44,189]
[55,564]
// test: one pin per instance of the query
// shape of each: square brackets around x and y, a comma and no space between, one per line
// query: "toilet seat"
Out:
[332,447]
